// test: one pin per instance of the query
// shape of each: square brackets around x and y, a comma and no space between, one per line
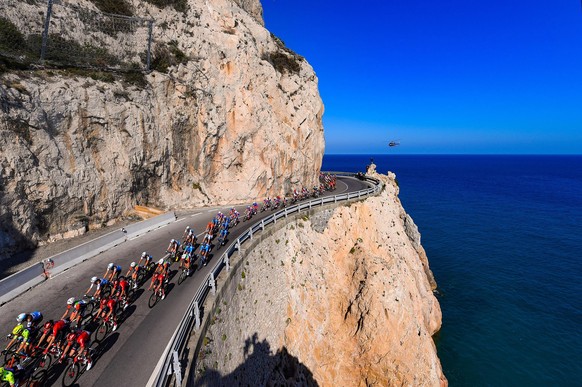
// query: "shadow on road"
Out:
[261,367]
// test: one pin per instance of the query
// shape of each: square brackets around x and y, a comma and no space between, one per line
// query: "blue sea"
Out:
[503,235]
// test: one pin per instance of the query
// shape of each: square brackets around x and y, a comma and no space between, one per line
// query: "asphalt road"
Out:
[129,355]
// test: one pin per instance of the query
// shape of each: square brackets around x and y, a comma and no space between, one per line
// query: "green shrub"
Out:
[165,56]
[119,7]
[178,5]
[11,39]
[282,62]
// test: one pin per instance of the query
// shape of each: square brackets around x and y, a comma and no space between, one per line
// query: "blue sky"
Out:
[451,76]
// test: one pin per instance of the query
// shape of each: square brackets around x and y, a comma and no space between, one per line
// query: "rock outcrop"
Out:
[237,117]
[347,293]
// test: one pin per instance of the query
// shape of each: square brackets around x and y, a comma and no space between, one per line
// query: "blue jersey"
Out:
[189,249]
[103,282]
[223,233]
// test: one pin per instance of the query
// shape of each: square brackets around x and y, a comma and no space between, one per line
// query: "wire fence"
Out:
[73,35]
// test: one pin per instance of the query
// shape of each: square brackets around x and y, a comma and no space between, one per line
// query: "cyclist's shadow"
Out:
[137,294]
[103,347]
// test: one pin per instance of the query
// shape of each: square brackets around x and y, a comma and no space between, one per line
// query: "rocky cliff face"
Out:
[237,117]
[347,295]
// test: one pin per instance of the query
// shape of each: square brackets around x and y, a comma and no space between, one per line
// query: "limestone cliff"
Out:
[238,116]
[346,294]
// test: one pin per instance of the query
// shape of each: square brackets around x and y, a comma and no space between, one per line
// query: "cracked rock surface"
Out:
[240,119]
[353,305]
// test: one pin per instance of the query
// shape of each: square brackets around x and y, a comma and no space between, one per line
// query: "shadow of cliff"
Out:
[261,367]
[15,247]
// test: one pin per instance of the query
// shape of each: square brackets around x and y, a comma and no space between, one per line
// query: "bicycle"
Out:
[157,295]
[183,275]
[75,368]
[103,330]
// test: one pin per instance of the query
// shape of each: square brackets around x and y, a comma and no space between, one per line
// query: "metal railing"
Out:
[192,318]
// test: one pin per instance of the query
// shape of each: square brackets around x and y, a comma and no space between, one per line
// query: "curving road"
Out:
[128,356]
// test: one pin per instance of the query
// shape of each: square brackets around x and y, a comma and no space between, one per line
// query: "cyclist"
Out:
[158,278]
[186,233]
[173,247]
[187,258]
[226,223]
[191,238]
[59,329]
[204,250]
[209,227]
[100,283]
[120,288]
[21,334]
[222,236]
[112,270]
[207,238]
[133,273]
[78,343]
[255,208]
[146,258]
[107,310]
[7,375]
[77,309]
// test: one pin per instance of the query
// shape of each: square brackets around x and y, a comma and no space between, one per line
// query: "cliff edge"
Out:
[228,114]
[344,297]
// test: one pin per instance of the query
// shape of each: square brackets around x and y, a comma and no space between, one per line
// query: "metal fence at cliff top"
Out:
[66,33]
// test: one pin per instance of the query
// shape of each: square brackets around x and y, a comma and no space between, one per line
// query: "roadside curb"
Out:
[18,283]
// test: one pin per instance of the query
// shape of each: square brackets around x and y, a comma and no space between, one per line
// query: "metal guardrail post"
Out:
[176,367]
[196,315]
[262,225]
[212,283]
[285,212]
[238,246]
[227,261]
[45,32]
[149,51]
[251,232]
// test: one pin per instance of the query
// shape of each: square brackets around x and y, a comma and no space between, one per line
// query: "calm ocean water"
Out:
[503,235]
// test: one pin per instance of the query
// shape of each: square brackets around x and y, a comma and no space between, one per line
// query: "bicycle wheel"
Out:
[38,378]
[71,374]
[140,277]
[45,361]
[10,351]
[182,277]
[101,331]
[154,298]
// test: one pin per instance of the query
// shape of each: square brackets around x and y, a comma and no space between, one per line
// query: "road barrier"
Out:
[168,367]
[18,283]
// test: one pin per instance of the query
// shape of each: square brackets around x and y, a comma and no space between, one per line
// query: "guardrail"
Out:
[170,360]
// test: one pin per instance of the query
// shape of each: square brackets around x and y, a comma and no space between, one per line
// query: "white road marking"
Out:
[339,181]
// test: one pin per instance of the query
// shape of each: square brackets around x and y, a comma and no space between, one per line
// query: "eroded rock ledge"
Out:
[343,298]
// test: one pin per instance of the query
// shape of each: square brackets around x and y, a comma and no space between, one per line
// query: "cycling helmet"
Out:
[48,324]
[70,301]
[187,228]
[161,261]
[143,255]
[110,266]
[94,279]
[132,264]
[21,317]
[71,336]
